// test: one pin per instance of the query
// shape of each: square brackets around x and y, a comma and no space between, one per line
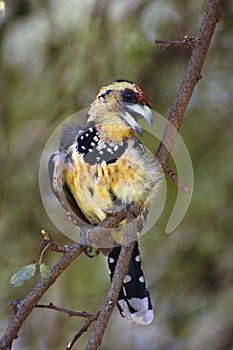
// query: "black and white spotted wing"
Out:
[95,151]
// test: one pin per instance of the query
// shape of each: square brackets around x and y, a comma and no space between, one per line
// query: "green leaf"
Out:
[44,270]
[23,274]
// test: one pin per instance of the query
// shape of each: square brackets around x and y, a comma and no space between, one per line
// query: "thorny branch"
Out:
[190,78]
[23,308]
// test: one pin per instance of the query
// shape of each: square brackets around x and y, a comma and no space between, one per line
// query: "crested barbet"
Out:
[102,166]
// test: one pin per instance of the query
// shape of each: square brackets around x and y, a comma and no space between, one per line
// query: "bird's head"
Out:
[117,108]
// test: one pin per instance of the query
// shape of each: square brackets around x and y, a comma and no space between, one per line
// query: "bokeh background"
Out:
[54,57]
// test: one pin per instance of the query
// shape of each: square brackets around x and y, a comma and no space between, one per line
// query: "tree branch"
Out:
[23,308]
[113,293]
[191,76]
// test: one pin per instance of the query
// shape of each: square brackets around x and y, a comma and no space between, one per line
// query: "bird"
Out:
[102,166]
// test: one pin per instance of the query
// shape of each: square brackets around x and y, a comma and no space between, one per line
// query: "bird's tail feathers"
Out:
[134,301]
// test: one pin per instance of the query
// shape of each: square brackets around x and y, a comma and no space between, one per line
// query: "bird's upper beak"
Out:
[134,112]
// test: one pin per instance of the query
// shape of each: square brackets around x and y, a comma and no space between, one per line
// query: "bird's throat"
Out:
[115,132]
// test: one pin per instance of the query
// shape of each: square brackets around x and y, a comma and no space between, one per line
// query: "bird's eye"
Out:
[129,96]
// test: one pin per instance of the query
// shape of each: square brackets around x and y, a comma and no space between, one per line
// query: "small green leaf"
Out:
[44,270]
[23,274]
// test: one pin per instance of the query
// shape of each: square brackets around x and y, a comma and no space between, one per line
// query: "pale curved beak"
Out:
[134,112]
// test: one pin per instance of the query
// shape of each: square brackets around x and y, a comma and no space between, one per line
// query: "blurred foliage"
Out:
[54,57]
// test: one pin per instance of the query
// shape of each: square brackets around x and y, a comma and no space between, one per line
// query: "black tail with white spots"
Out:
[134,300]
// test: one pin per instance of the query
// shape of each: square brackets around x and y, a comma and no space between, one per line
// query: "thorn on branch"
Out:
[167,44]
[170,173]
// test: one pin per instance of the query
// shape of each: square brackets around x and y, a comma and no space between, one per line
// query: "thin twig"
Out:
[81,331]
[167,44]
[52,244]
[48,242]
[70,313]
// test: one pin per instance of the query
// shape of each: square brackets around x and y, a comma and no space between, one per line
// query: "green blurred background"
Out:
[54,57]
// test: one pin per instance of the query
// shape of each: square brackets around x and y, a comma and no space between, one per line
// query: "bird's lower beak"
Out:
[136,111]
